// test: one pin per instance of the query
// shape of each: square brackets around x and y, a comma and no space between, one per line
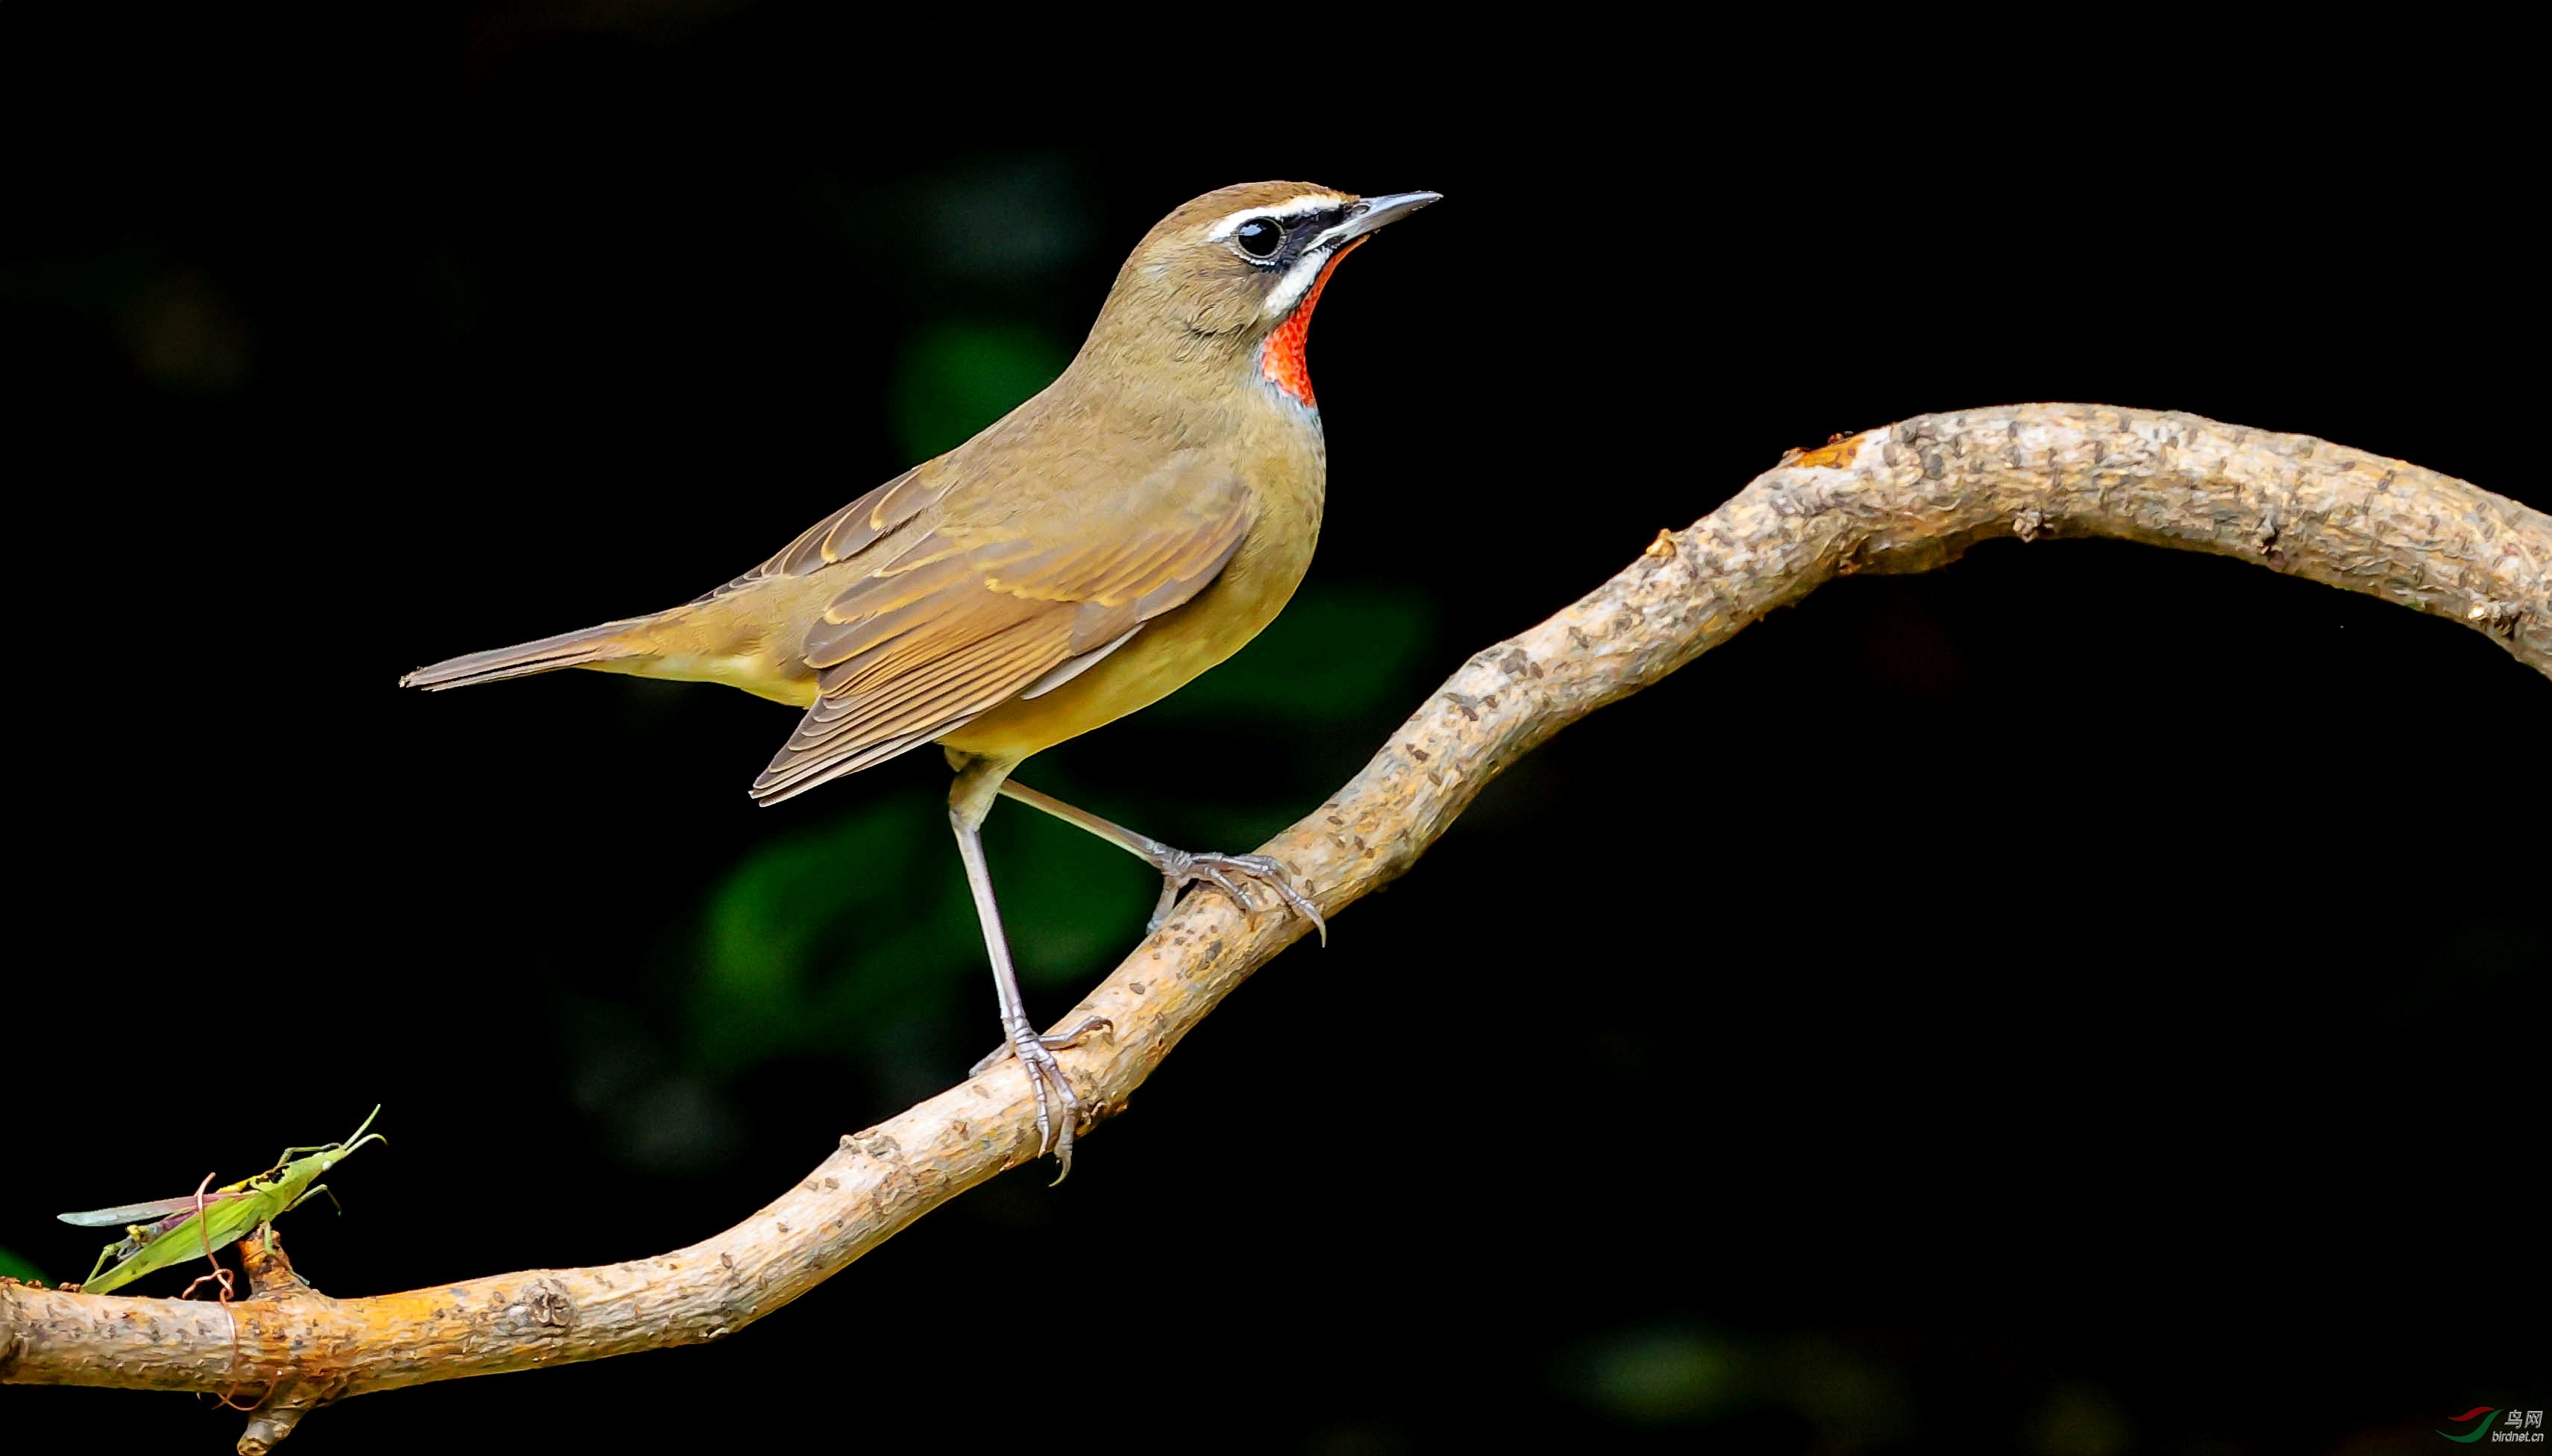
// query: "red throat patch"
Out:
[1280,359]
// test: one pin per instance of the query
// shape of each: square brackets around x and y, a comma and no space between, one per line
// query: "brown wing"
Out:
[970,615]
[842,533]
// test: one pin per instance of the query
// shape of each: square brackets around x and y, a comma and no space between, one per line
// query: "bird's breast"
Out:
[1173,649]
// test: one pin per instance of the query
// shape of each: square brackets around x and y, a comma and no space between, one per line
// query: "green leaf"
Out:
[15,1268]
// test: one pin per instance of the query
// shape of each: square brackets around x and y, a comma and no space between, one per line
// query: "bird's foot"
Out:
[1231,874]
[1046,1080]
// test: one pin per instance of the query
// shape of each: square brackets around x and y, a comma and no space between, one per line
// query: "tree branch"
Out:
[1908,497]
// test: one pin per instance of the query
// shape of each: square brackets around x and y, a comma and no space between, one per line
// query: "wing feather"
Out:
[846,532]
[970,615]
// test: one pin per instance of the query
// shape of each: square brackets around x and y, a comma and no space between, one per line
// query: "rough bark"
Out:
[1908,497]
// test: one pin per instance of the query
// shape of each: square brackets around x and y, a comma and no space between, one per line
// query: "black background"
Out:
[2083,1000]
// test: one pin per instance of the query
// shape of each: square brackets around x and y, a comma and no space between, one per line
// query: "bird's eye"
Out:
[1259,236]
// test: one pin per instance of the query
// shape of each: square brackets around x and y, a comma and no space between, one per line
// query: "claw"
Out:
[1161,908]
[1038,1060]
[1179,868]
[1079,1033]
[1224,884]
[1277,877]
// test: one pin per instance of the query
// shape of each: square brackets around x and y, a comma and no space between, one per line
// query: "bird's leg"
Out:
[1179,868]
[968,803]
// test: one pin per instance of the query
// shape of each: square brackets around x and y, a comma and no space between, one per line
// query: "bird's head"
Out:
[1233,277]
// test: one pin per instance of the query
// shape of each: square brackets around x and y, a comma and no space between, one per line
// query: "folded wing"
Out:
[973,614]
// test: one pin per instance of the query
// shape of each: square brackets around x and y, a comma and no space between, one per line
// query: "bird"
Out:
[1129,526]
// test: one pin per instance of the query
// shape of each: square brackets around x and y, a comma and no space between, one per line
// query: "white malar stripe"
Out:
[1296,282]
[1309,202]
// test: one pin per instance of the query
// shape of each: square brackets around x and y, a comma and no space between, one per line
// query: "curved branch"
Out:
[1908,497]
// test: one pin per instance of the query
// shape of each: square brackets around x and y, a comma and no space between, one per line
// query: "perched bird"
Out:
[1134,524]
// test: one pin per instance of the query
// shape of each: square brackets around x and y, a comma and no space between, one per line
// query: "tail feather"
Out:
[607,642]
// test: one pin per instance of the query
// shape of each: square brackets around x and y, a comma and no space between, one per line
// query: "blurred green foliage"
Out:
[1657,1376]
[15,1268]
[1680,1376]
[954,378]
[785,929]
[2077,1419]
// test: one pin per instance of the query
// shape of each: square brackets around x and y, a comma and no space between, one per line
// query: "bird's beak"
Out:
[1375,212]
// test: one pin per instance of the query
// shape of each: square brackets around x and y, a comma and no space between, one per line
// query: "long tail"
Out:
[610,642]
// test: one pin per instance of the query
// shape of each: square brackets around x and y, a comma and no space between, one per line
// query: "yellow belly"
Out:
[759,674]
